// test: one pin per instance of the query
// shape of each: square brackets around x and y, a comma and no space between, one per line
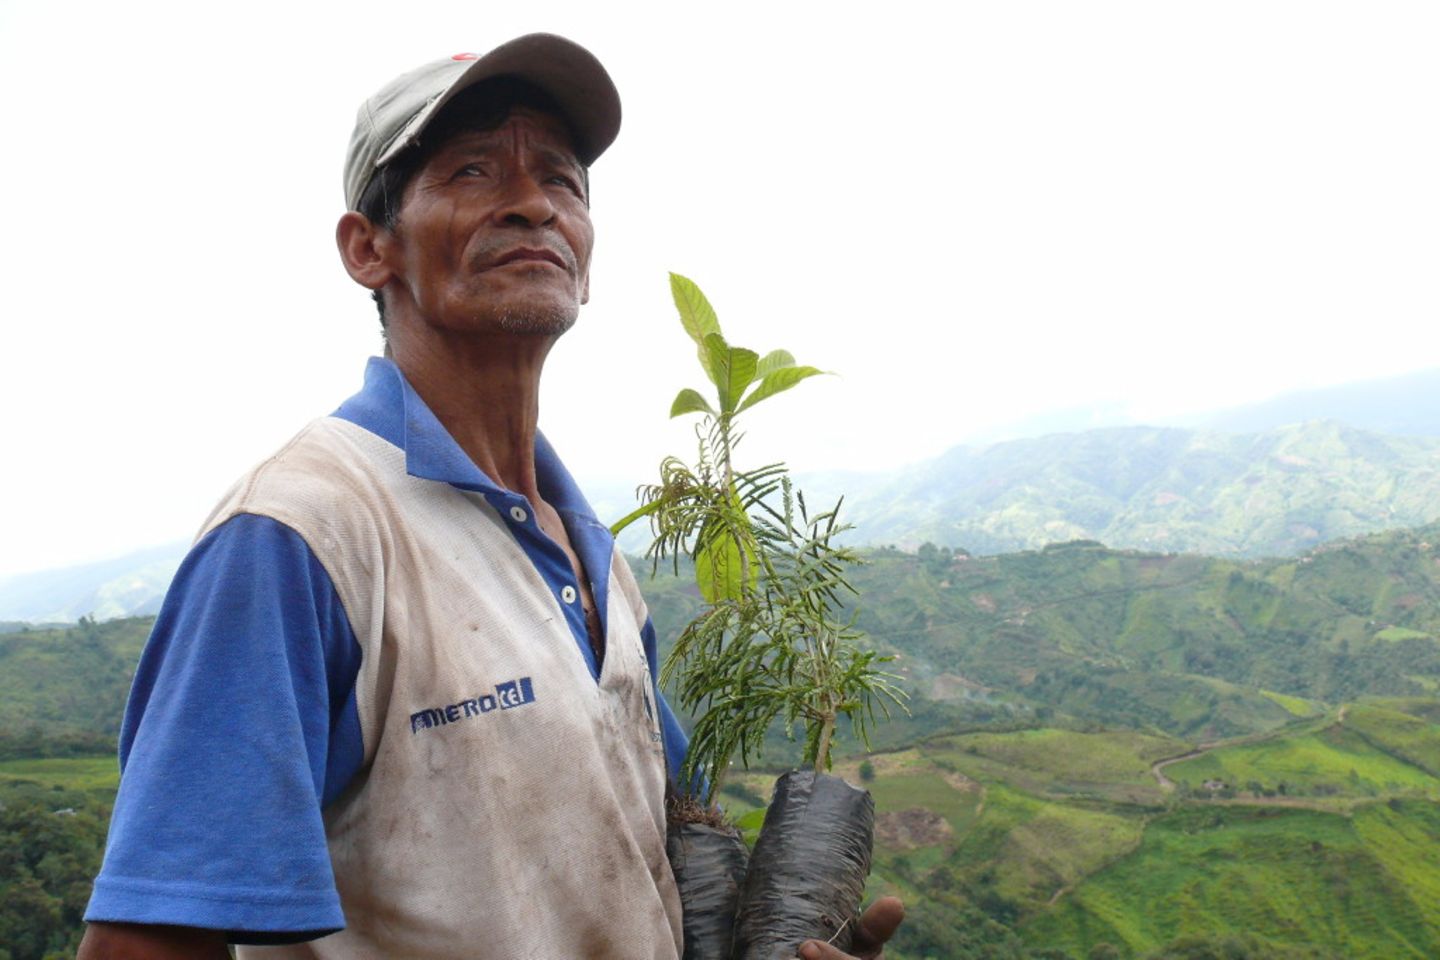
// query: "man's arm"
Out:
[234,738]
[130,941]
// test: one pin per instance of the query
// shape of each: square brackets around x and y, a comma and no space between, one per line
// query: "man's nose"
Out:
[525,202]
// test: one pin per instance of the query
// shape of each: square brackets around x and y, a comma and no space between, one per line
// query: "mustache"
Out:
[549,246]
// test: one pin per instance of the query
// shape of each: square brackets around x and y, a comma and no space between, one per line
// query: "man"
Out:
[401,699]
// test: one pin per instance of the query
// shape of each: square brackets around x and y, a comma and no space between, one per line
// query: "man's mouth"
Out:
[530,255]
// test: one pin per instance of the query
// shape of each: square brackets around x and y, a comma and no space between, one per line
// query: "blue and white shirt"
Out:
[370,703]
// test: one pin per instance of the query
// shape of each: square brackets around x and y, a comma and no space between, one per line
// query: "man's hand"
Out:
[877,926]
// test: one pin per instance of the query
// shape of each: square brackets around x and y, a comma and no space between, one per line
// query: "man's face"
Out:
[494,232]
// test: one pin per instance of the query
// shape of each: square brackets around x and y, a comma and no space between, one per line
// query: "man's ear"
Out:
[363,248]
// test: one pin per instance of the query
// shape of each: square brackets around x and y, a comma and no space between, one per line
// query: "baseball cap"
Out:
[399,112]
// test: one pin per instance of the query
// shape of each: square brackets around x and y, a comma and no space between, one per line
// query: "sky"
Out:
[975,214]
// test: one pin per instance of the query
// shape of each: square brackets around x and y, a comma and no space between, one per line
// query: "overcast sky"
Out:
[974,216]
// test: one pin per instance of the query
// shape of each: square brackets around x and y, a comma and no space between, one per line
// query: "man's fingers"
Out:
[817,950]
[877,925]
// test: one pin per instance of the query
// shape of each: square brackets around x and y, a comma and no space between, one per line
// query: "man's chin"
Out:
[537,322]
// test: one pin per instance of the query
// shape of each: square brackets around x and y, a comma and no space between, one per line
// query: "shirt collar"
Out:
[390,408]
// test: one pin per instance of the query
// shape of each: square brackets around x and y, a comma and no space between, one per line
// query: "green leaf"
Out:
[731,369]
[778,382]
[772,361]
[696,314]
[690,401]
[719,572]
[741,364]
[713,351]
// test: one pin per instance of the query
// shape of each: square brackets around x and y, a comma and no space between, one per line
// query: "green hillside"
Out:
[1344,885]
[1334,761]
[1193,646]
[1188,646]
[1057,844]
[1109,753]
[1270,493]
[1052,857]
[62,691]
[1403,729]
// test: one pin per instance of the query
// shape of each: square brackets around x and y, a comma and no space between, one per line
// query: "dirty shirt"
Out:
[370,705]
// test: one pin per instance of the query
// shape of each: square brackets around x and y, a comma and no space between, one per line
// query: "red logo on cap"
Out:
[465,56]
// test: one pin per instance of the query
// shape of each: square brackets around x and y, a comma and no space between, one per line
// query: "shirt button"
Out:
[518,514]
[567,593]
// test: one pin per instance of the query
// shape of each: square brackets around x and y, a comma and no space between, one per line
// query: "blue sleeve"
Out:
[241,725]
[676,743]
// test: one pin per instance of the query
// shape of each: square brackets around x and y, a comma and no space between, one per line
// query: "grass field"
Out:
[1362,887]
[1401,633]
[1406,737]
[1295,706]
[1425,708]
[1114,766]
[1331,761]
[928,791]
[1038,847]
[71,773]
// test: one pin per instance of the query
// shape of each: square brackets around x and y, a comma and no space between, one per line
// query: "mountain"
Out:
[128,586]
[1262,479]
[1246,495]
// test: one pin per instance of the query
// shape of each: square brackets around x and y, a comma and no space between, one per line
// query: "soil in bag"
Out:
[709,867]
[808,871]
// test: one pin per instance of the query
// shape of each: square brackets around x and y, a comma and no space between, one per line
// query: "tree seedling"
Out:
[770,643]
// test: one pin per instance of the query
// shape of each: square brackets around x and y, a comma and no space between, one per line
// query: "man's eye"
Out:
[471,170]
[568,182]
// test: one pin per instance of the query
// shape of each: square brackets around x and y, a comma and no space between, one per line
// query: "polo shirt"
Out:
[370,702]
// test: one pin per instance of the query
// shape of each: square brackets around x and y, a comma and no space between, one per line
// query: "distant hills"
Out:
[1284,484]
[1185,646]
[1274,493]
[1270,478]
[128,586]
[1188,646]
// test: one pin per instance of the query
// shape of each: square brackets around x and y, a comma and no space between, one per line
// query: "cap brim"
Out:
[569,73]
